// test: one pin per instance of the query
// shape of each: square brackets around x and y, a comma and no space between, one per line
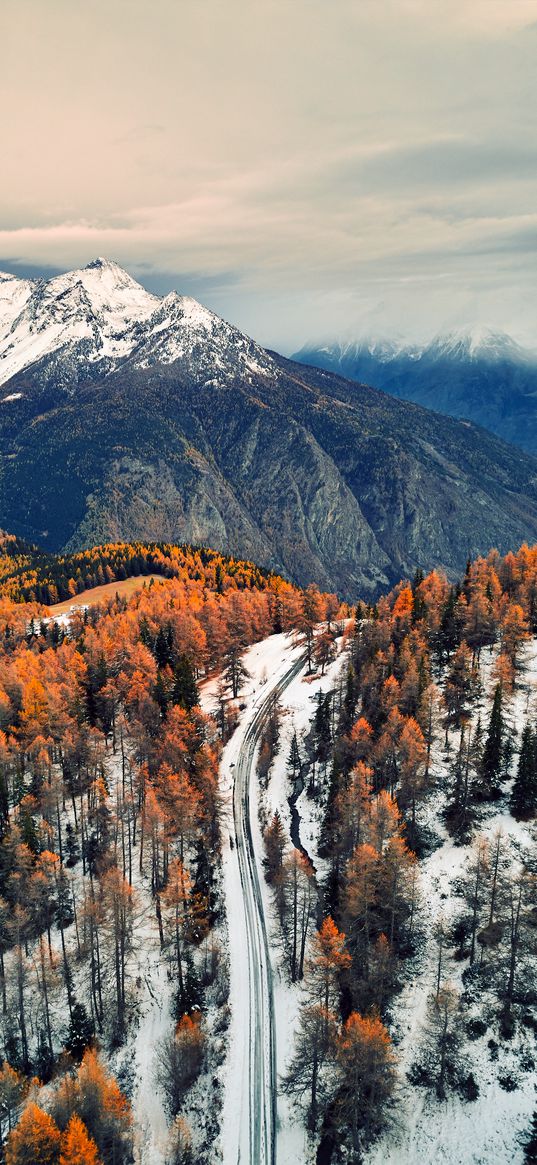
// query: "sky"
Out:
[310,169]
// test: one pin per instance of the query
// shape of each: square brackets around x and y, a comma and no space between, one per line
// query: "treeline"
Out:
[109,823]
[29,575]
[412,685]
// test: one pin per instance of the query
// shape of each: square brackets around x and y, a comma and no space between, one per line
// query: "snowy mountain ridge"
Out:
[472,372]
[100,314]
[465,343]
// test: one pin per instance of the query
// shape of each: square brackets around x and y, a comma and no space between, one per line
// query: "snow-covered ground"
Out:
[425,1129]
[299,704]
[266,662]
[491,1128]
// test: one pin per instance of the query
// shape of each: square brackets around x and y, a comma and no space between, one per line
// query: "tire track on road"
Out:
[262,1082]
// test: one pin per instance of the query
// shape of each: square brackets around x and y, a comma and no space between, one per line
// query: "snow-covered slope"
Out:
[479,343]
[101,315]
[472,372]
[99,305]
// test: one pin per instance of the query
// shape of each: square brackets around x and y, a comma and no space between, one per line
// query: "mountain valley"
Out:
[125,416]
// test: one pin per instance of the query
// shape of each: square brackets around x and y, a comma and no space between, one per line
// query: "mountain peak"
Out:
[480,342]
[101,261]
[97,317]
[108,267]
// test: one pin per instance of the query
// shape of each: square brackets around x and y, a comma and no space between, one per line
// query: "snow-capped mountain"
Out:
[100,316]
[477,343]
[126,416]
[476,373]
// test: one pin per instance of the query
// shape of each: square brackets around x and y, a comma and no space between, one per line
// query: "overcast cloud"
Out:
[306,167]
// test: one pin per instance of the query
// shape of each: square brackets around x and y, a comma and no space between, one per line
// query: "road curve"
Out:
[261,1067]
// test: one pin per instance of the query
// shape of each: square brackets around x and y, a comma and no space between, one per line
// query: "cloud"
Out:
[282,160]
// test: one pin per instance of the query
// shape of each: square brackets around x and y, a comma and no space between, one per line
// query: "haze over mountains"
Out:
[476,373]
[124,415]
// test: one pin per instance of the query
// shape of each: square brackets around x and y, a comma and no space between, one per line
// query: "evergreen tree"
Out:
[294,763]
[322,728]
[160,695]
[185,689]
[491,764]
[71,845]
[448,635]
[274,846]
[80,1032]
[349,701]
[162,648]
[524,794]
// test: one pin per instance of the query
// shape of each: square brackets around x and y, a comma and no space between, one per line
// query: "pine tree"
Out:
[185,689]
[366,1076]
[314,1047]
[274,846]
[491,763]
[80,1032]
[71,845]
[98,1101]
[13,1087]
[162,649]
[160,694]
[294,762]
[322,728]
[524,793]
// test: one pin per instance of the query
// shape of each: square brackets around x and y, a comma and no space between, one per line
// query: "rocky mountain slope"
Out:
[483,376]
[126,416]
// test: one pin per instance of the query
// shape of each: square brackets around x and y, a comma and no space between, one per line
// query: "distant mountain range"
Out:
[478,374]
[127,416]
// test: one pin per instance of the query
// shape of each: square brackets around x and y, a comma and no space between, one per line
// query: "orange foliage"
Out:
[77,1147]
[36,1138]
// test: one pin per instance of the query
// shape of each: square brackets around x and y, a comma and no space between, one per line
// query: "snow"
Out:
[14,293]
[271,658]
[155,1024]
[100,304]
[489,1128]
[424,1129]
[266,662]
[476,341]
[299,703]
[99,313]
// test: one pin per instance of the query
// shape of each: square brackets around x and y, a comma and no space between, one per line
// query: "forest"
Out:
[420,755]
[30,575]
[111,840]
[109,849]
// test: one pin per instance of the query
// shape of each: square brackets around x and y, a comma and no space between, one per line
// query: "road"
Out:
[261,1082]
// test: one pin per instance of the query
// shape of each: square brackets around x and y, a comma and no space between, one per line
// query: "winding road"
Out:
[261,1082]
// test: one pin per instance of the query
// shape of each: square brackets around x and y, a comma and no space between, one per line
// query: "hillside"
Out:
[187,431]
[113,966]
[384,768]
[30,575]
[397,804]
[486,378]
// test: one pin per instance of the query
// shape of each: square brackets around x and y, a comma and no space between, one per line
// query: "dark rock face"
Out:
[194,433]
[299,470]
